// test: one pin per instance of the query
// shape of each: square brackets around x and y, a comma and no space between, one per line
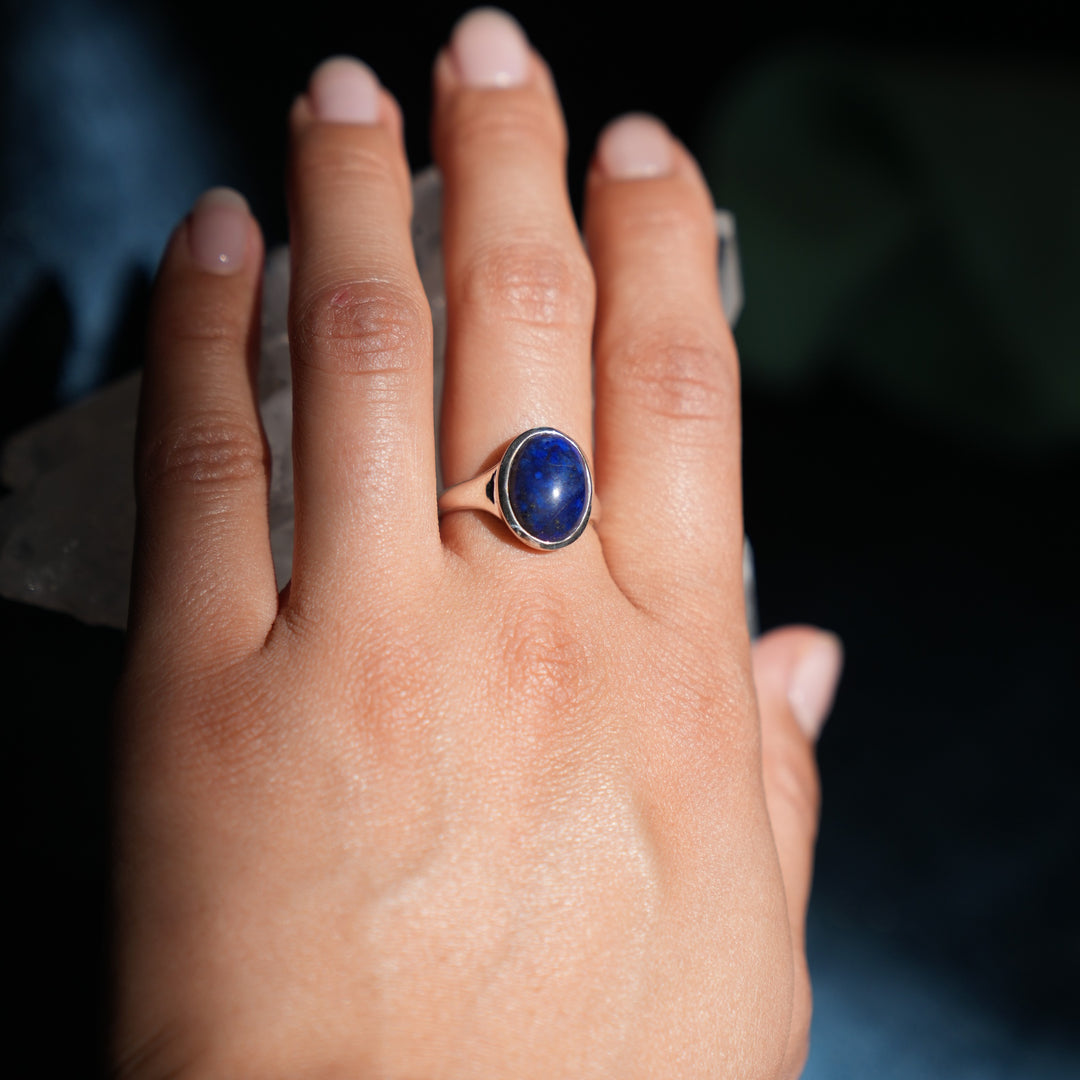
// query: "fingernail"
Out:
[813,683]
[635,147]
[490,49]
[218,230]
[344,91]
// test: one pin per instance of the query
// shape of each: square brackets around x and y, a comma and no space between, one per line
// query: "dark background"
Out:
[912,443]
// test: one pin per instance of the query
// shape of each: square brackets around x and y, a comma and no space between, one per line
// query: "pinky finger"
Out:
[203,574]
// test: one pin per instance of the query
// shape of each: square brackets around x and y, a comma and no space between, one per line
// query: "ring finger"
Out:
[520,291]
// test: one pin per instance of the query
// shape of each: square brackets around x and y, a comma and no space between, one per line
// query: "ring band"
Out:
[542,488]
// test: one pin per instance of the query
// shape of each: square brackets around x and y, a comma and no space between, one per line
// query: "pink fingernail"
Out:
[813,684]
[218,230]
[490,49]
[344,91]
[635,147]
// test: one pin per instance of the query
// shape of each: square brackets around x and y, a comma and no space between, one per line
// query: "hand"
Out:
[449,806]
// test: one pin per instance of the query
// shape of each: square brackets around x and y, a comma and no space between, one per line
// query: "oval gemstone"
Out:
[547,486]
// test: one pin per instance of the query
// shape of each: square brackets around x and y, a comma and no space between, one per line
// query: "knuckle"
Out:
[680,377]
[709,722]
[362,327]
[517,122]
[532,282]
[712,700]
[338,154]
[547,668]
[226,737]
[228,740]
[210,450]
[214,331]
[679,224]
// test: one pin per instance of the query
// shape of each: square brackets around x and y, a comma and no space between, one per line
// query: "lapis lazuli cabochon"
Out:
[548,487]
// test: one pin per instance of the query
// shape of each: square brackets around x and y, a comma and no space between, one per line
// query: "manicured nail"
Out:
[344,91]
[218,230]
[490,49]
[813,683]
[635,147]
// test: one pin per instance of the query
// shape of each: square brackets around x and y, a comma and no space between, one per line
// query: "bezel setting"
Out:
[502,484]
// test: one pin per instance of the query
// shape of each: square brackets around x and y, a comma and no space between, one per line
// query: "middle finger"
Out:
[360,335]
[520,292]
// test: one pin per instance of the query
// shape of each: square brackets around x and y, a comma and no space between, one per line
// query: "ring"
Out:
[542,488]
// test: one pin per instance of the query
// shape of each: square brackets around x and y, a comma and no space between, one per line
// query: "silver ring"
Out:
[542,488]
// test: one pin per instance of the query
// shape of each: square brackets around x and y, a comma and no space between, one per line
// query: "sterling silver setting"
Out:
[490,491]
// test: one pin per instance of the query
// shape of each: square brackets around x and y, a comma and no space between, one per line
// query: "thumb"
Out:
[796,671]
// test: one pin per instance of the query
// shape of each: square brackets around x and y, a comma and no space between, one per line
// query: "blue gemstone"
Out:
[547,486]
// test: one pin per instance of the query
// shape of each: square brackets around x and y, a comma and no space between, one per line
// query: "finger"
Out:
[667,397]
[519,287]
[360,333]
[796,671]
[203,567]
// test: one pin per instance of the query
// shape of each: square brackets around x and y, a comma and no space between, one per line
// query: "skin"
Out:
[449,807]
